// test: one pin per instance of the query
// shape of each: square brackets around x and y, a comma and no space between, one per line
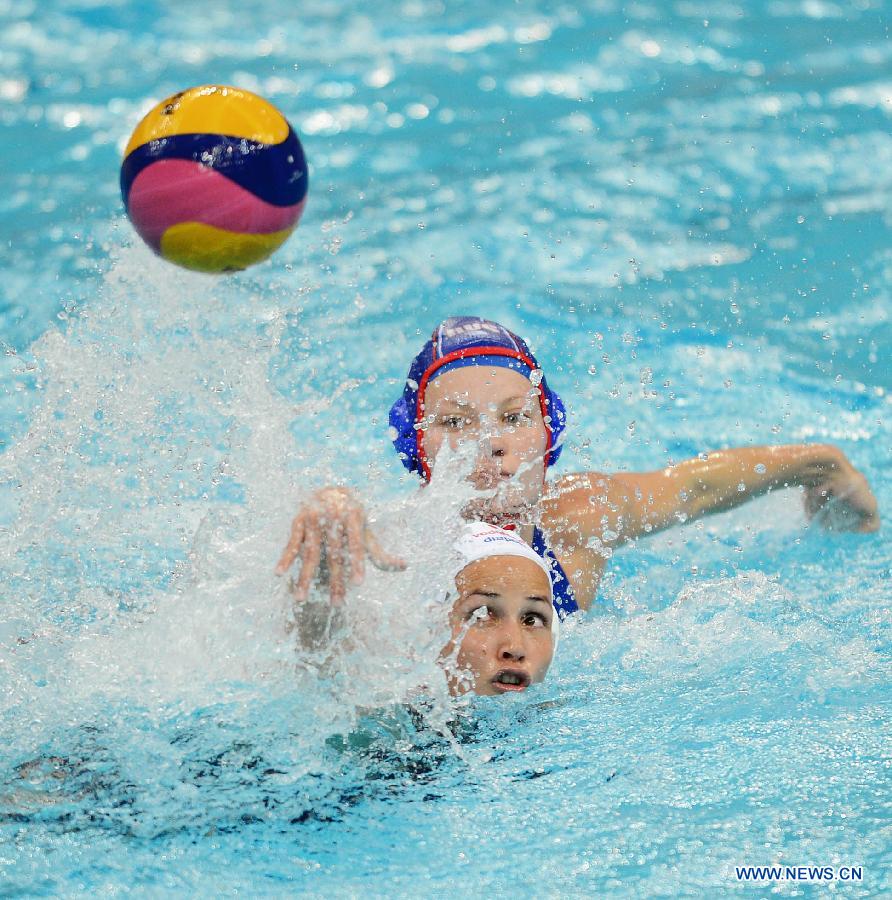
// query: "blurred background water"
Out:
[683,206]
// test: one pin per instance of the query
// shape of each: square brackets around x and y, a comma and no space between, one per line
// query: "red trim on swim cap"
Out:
[464,354]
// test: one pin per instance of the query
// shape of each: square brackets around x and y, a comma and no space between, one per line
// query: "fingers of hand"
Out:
[355,528]
[846,506]
[814,500]
[335,554]
[840,515]
[310,554]
[289,554]
[869,524]
[380,557]
[863,518]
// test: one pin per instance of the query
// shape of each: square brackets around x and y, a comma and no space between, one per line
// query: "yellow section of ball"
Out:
[212,109]
[204,248]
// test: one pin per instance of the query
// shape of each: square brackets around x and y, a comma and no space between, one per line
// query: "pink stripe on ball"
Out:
[172,191]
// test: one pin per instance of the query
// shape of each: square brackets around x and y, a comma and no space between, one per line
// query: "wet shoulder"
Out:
[571,514]
[571,497]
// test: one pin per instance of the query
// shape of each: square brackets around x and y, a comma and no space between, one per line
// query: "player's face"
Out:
[501,627]
[498,411]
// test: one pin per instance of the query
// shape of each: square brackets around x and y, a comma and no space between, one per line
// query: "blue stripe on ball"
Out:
[277,181]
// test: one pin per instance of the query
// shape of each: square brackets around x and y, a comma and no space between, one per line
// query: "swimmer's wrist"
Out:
[816,462]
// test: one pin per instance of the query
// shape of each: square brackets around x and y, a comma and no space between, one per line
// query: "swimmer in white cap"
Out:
[504,626]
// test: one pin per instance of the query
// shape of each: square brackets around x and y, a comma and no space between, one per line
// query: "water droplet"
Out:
[593,369]
[759,469]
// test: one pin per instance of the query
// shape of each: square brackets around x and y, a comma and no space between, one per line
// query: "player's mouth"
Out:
[511,680]
[486,481]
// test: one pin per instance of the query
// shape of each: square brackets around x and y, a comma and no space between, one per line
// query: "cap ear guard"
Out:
[558,415]
[402,421]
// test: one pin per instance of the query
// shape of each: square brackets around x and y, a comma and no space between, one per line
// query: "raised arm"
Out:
[617,508]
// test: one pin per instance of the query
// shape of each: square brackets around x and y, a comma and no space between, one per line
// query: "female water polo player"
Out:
[504,627]
[475,381]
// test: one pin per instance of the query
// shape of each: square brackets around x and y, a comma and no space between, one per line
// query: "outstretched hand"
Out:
[330,532]
[841,500]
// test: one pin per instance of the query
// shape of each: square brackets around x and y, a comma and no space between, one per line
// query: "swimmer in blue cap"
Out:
[475,381]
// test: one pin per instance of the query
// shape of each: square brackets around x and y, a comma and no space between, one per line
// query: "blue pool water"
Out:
[684,206]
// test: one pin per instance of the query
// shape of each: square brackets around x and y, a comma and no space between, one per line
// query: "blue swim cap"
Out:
[467,341]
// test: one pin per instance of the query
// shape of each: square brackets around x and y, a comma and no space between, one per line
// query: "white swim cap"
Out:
[479,540]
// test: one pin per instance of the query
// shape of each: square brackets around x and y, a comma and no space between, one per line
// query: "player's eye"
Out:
[517,417]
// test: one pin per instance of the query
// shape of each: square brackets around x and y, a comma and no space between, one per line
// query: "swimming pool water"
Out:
[684,207]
